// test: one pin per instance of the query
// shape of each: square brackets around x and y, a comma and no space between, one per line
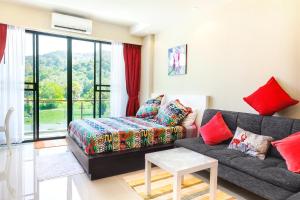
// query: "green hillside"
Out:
[53,86]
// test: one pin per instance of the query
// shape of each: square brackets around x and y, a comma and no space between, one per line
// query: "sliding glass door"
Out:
[66,79]
[52,87]
[102,80]
[83,79]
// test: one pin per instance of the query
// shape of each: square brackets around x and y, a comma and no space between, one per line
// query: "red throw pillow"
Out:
[215,131]
[289,148]
[270,98]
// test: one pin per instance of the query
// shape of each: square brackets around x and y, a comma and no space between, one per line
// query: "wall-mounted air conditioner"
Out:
[71,23]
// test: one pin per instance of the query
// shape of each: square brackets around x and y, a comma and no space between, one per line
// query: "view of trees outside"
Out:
[53,83]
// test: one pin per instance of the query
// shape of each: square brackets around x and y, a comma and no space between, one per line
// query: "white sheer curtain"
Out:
[118,94]
[12,73]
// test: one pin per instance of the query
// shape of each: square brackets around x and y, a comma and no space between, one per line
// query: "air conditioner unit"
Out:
[71,23]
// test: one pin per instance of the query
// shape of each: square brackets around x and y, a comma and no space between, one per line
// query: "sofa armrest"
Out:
[295,196]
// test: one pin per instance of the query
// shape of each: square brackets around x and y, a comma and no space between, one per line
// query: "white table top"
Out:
[180,160]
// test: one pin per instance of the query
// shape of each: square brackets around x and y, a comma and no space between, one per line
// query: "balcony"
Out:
[53,115]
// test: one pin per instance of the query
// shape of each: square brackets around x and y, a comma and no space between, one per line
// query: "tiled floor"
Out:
[18,181]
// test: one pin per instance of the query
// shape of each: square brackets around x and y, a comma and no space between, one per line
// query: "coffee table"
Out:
[179,162]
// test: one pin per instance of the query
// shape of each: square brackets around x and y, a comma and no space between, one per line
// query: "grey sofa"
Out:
[267,178]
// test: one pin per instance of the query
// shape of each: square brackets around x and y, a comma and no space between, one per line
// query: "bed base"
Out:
[112,163]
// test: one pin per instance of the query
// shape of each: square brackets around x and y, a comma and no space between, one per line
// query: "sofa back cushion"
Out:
[296,126]
[276,127]
[249,122]
[228,116]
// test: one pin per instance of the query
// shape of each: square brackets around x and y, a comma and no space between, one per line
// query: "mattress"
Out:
[122,133]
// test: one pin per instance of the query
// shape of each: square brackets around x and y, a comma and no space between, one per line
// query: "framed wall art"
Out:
[177,58]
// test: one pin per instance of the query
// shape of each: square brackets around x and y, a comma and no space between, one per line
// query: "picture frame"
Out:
[177,60]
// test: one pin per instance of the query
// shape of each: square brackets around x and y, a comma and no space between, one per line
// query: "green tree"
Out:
[50,91]
[76,90]
[89,94]
[53,82]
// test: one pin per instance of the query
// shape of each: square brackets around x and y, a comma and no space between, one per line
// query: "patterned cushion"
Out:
[250,143]
[150,108]
[172,113]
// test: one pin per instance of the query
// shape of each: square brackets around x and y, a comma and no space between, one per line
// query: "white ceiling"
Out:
[142,16]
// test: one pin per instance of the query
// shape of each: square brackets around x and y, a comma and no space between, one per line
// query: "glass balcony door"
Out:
[52,86]
[102,80]
[66,79]
[83,75]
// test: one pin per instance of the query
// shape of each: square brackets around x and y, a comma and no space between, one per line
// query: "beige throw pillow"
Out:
[190,119]
[250,143]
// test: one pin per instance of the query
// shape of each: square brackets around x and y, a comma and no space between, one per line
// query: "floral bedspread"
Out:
[122,133]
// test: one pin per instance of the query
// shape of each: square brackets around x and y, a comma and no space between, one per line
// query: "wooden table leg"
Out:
[177,187]
[213,182]
[148,177]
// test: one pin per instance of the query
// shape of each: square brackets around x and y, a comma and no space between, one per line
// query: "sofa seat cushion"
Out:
[272,170]
[224,156]
[295,196]
[281,177]
[197,144]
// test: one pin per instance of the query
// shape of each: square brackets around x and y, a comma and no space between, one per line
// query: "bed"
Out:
[111,146]
[121,133]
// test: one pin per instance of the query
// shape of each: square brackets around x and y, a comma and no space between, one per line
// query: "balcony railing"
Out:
[53,113]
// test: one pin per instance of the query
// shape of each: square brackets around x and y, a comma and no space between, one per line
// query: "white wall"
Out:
[232,50]
[147,67]
[40,19]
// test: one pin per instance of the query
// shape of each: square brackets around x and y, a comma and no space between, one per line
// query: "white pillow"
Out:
[190,119]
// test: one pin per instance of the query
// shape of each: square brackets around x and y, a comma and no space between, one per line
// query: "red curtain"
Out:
[3,32]
[132,58]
